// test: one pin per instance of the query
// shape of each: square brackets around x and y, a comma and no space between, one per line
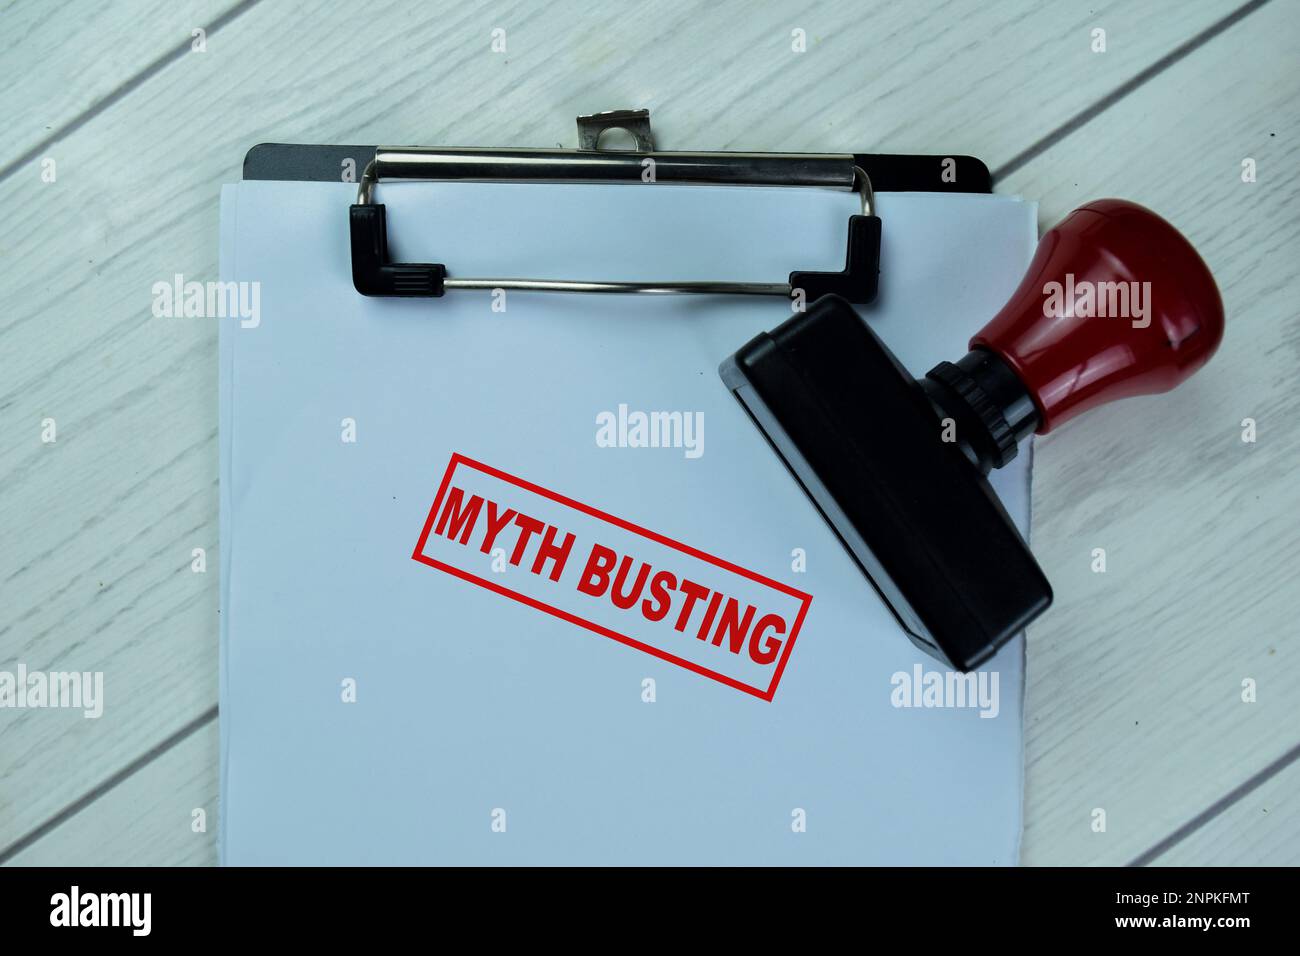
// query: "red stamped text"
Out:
[612,577]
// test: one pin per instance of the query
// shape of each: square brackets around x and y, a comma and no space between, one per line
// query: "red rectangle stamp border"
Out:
[457,459]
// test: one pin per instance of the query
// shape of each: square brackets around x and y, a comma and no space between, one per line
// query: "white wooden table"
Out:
[1135,677]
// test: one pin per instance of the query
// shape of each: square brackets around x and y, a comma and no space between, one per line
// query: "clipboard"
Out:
[374,274]
[473,700]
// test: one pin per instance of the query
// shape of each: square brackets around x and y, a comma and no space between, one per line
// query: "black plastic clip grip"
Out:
[373,274]
[860,279]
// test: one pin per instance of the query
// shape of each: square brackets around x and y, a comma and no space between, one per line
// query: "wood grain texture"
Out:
[1135,677]
[59,60]
[148,819]
[103,522]
[1263,829]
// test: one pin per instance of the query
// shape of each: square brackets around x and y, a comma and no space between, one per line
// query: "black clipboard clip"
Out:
[374,274]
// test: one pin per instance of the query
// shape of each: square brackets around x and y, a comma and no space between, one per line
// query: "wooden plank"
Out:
[58,61]
[1135,676]
[147,820]
[1262,828]
[107,517]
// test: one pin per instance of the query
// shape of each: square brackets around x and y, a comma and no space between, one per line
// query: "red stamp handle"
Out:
[1115,303]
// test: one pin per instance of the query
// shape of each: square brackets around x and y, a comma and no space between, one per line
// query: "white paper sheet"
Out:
[469,704]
